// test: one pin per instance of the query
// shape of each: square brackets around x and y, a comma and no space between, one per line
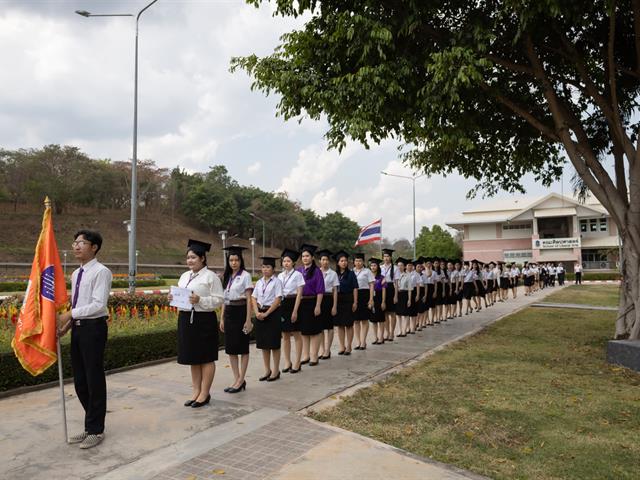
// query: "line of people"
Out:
[298,310]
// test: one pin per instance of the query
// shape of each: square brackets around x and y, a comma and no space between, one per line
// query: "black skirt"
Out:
[197,341]
[453,296]
[362,312]
[460,292]
[413,309]
[309,323]
[481,289]
[268,331]
[344,317]
[401,307]
[504,283]
[286,310]
[430,300]
[325,311]
[469,290]
[439,300]
[391,292]
[378,314]
[236,342]
[422,306]
[515,282]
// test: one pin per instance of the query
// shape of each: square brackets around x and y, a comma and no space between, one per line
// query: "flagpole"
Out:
[62,400]
[381,238]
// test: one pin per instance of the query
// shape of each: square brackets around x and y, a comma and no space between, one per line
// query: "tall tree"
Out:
[490,88]
[437,242]
[338,232]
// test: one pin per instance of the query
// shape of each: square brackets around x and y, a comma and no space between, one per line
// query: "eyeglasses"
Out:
[80,243]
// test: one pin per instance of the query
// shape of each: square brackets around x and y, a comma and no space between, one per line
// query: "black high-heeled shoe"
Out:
[313,364]
[188,403]
[326,357]
[196,404]
[239,389]
[341,353]
[287,370]
[273,379]
[347,353]
[266,377]
[293,370]
[304,362]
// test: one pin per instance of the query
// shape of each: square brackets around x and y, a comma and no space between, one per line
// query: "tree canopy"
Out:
[436,241]
[492,89]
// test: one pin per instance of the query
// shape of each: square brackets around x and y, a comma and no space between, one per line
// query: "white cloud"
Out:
[254,168]
[314,167]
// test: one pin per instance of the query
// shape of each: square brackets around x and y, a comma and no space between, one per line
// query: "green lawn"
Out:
[529,397]
[599,295]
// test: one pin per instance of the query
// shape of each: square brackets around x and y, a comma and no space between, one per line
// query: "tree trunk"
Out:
[628,322]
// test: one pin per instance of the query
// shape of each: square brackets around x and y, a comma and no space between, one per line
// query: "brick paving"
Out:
[256,455]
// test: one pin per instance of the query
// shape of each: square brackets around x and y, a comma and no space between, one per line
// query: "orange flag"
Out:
[35,340]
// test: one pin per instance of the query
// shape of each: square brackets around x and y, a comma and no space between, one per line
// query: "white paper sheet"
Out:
[180,298]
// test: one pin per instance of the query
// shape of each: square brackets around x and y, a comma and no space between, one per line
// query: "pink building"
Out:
[552,228]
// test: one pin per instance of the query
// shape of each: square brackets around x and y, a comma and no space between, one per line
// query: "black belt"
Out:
[264,309]
[237,303]
[79,322]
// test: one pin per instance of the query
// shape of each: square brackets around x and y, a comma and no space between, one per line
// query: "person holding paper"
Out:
[198,326]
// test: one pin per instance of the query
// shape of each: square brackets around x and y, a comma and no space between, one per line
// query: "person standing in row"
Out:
[515,279]
[198,327]
[403,299]
[389,270]
[379,300]
[437,294]
[561,273]
[87,319]
[311,325]
[429,298]
[470,288]
[452,298]
[365,301]
[292,284]
[460,287]
[577,269]
[413,294]
[422,306]
[236,315]
[266,299]
[347,302]
[329,302]
[505,281]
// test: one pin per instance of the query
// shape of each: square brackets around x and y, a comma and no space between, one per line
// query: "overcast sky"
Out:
[68,79]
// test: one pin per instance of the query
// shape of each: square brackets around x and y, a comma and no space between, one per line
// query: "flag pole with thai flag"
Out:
[370,233]
[36,343]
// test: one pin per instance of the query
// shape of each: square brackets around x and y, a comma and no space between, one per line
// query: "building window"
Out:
[517,226]
[517,254]
[594,225]
[603,225]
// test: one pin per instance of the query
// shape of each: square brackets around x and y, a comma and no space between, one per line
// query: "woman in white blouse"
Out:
[198,327]
[236,315]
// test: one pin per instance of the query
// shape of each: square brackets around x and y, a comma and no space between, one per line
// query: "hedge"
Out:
[595,276]
[121,351]
[22,286]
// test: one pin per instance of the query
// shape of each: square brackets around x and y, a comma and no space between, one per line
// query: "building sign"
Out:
[547,243]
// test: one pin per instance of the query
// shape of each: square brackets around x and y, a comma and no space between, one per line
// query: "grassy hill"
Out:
[161,238]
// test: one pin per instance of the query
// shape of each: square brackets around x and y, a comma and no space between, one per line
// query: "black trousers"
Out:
[88,341]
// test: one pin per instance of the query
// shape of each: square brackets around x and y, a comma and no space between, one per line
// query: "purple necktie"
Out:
[75,294]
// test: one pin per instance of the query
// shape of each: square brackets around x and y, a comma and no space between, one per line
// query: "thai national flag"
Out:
[371,233]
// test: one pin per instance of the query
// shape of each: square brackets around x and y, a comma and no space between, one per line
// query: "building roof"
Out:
[510,208]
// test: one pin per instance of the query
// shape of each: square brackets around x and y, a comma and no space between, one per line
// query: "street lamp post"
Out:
[253,255]
[134,160]
[413,179]
[223,236]
[64,252]
[263,231]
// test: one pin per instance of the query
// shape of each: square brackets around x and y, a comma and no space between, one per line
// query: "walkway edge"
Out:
[333,399]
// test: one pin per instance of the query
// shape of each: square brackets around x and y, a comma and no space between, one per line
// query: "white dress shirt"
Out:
[364,277]
[237,287]
[386,271]
[207,285]
[93,291]
[404,281]
[330,280]
[290,282]
[266,291]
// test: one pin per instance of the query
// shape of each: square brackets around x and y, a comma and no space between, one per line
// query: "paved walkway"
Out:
[259,433]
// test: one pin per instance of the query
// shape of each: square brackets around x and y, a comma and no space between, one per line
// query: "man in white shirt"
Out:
[87,319]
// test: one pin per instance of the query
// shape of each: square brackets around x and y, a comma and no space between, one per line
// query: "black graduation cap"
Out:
[234,249]
[269,261]
[402,260]
[338,255]
[477,261]
[375,260]
[421,259]
[292,254]
[198,247]
[492,263]
[388,251]
[359,255]
[428,260]
[305,247]
[457,260]
[466,263]
[323,253]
